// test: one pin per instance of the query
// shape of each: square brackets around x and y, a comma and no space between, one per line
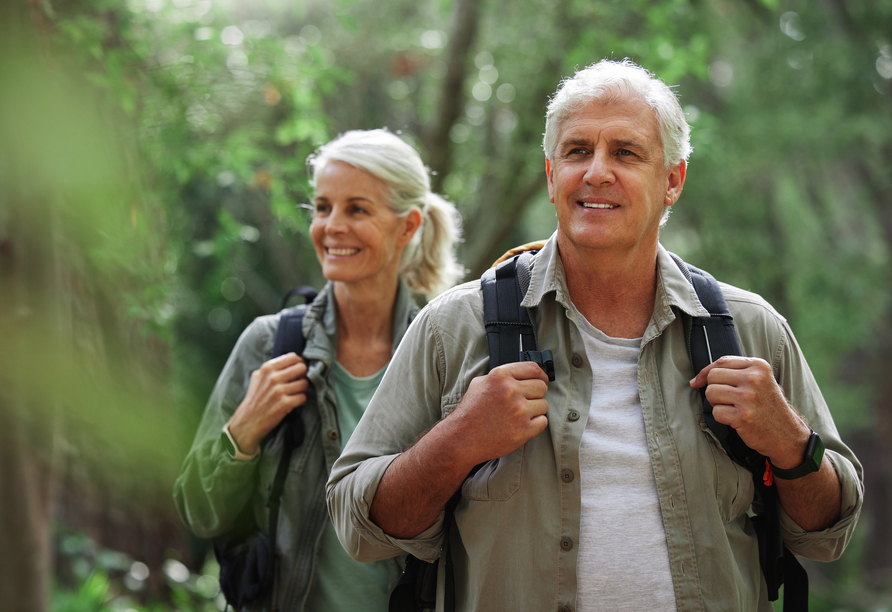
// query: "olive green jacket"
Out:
[518,519]
[213,487]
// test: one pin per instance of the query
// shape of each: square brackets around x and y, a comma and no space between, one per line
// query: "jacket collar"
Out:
[321,325]
[673,288]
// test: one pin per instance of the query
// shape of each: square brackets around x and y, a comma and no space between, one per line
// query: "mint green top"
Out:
[342,584]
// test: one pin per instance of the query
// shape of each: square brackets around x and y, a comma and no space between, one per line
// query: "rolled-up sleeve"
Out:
[803,393]
[408,402]
[212,486]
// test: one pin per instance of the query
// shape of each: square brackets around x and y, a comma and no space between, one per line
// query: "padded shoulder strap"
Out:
[290,335]
[713,337]
[505,320]
[710,338]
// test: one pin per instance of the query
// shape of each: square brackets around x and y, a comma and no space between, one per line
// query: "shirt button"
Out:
[573,416]
[577,361]
[567,475]
[333,434]
[566,543]
[564,609]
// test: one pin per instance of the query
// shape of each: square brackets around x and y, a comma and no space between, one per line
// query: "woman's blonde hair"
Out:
[428,263]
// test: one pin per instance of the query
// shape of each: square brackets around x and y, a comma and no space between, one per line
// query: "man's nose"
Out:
[600,169]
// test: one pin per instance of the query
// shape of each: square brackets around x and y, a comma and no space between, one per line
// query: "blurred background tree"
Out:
[153,167]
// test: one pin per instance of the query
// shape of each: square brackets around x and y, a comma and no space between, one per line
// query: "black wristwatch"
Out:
[814,454]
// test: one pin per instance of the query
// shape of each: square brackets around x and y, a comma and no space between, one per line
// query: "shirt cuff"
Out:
[828,544]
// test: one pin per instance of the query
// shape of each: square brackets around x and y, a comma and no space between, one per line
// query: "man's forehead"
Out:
[625,115]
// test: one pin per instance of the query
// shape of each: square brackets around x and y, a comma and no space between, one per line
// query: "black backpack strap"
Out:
[503,317]
[289,339]
[308,293]
[290,334]
[710,338]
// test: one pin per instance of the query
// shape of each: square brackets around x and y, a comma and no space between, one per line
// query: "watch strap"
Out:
[814,454]
[232,447]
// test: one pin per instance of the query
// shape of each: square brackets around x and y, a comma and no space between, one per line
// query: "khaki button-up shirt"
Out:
[518,519]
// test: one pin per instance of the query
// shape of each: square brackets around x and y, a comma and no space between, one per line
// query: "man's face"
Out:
[608,182]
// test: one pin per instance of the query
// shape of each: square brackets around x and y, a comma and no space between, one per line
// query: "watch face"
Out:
[817,455]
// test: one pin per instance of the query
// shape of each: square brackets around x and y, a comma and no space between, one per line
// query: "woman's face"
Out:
[356,235]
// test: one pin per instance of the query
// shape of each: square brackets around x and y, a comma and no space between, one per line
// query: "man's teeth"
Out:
[590,205]
[342,252]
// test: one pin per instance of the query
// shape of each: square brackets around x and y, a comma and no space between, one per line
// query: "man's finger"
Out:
[525,370]
[538,408]
[728,362]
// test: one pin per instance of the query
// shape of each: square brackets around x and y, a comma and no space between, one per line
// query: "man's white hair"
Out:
[609,81]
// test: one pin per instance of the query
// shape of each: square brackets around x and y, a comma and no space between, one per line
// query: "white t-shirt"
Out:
[623,556]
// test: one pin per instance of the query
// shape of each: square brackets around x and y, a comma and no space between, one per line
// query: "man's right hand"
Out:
[498,414]
[502,410]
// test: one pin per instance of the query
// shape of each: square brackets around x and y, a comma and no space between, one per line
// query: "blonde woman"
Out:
[379,233]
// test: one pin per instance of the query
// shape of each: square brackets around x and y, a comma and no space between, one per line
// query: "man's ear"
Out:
[549,179]
[411,223]
[677,175]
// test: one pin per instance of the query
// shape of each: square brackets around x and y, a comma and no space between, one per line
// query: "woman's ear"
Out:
[411,224]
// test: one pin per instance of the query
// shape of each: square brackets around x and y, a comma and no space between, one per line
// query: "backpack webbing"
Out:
[289,339]
[708,339]
[502,312]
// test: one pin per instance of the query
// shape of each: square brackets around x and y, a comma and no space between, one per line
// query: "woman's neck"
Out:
[365,325]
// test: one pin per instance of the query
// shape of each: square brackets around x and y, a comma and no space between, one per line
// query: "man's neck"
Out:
[614,291]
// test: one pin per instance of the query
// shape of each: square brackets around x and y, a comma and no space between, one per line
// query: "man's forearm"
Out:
[813,501]
[418,483]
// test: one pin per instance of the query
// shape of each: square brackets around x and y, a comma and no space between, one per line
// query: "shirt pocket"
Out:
[733,483]
[496,480]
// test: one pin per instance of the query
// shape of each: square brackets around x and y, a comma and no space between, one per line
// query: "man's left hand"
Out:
[744,395]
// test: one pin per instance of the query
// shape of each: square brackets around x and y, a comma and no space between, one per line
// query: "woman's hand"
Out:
[276,388]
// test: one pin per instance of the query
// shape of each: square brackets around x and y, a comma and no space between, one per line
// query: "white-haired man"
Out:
[602,490]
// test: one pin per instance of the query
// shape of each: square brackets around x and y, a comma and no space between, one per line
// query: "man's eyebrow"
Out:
[576,141]
[628,144]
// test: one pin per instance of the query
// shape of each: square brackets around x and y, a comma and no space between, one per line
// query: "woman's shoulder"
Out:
[259,336]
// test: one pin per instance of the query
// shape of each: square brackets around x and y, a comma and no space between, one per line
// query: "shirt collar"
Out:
[673,288]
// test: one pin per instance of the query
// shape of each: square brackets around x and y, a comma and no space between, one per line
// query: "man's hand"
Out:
[501,411]
[498,414]
[744,395]
[276,388]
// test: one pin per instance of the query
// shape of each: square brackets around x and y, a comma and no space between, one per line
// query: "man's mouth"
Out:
[597,205]
[341,251]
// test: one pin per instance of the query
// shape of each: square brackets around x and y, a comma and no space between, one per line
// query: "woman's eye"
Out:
[321,209]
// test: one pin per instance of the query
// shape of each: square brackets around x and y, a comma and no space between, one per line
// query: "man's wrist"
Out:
[810,462]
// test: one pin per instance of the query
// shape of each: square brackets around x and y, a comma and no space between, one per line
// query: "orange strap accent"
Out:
[768,477]
[530,246]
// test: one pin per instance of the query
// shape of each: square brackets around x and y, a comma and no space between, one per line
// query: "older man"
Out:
[602,490]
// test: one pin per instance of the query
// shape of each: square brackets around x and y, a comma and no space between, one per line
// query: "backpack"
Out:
[245,553]
[708,338]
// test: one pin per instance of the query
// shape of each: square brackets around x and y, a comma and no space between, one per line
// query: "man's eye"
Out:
[624,152]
